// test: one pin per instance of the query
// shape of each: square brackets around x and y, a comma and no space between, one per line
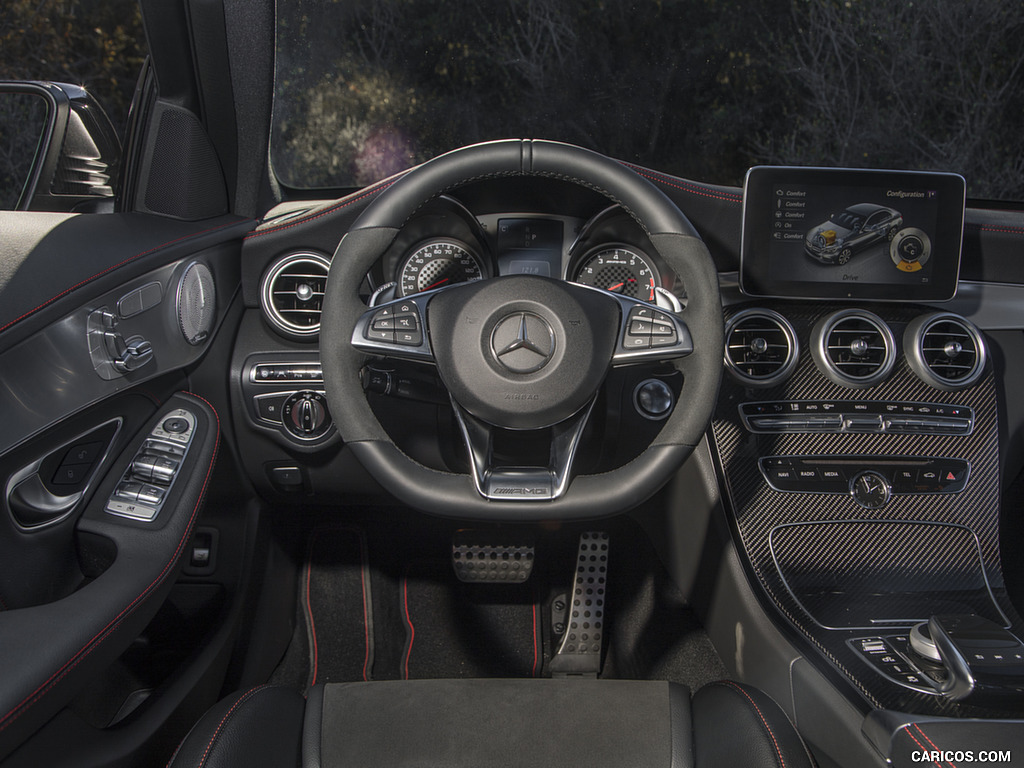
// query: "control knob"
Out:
[305,415]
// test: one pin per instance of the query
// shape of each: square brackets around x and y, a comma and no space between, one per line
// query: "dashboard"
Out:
[859,449]
[851,434]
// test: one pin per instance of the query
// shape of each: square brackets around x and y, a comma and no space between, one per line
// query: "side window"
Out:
[24,122]
[68,72]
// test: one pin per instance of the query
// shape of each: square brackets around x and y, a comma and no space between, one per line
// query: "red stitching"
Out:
[380,187]
[366,615]
[97,639]
[66,291]
[242,699]
[919,744]
[925,735]
[654,176]
[408,621]
[309,604]
[309,608]
[533,672]
[765,722]
[1007,230]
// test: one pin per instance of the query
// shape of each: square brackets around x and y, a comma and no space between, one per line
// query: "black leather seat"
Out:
[455,723]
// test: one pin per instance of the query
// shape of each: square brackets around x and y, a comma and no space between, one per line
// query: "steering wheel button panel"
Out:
[157,461]
[395,329]
[650,333]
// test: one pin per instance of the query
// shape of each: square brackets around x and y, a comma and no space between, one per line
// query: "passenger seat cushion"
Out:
[260,727]
[735,724]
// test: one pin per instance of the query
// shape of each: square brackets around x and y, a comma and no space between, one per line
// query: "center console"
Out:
[864,510]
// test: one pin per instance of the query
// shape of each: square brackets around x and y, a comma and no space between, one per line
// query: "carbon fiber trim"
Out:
[894,555]
[947,557]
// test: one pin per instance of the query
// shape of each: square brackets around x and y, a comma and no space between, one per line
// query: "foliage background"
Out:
[698,88]
[98,44]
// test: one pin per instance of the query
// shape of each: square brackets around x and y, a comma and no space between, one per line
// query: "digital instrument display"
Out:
[833,233]
[529,247]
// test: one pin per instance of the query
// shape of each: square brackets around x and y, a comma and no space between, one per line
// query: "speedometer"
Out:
[438,263]
[620,270]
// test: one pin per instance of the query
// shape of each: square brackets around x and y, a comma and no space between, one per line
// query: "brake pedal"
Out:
[580,651]
[477,557]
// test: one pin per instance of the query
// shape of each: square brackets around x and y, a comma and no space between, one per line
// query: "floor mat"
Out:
[654,634]
[454,629]
[338,607]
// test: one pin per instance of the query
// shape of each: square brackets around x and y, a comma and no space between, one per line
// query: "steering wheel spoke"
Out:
[396,329]
[522,483]
[648,332]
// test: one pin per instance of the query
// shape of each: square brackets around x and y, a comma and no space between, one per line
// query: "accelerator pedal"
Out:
[480,557]
[580,651]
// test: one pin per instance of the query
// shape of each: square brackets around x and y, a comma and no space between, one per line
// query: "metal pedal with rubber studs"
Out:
[477,559]
[580,651]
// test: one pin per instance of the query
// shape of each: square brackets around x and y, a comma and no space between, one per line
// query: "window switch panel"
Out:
[147,483]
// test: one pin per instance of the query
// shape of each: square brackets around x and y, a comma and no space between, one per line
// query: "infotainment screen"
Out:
[833,233]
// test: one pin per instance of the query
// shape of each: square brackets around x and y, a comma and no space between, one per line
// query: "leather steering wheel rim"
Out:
[454,495]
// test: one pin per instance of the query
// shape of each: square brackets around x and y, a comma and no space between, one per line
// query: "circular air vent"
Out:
[760,347]
[945,350]
[853,348]
[292,293]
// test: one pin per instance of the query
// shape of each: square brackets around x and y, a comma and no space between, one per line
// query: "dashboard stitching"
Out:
[680,184]
[380,187]
[111,268]
[89,647]
[1007,230]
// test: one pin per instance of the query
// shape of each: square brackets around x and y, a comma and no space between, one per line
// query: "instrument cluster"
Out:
[447,244]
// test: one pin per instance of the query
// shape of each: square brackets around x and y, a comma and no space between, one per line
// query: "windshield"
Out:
[848,220]
[696,88]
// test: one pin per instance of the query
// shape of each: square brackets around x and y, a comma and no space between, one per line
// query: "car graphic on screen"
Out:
[853,229]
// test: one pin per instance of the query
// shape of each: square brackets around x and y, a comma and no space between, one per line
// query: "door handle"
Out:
[33,505]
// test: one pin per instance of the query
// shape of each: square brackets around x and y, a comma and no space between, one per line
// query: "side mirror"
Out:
[58,149]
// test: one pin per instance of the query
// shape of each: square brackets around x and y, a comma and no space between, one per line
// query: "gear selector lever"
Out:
[984,661]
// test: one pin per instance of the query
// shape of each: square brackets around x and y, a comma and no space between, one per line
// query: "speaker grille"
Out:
[760,347]
[185,180]
[197,303]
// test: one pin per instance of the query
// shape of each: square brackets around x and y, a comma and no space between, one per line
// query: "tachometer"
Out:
[620,270]
[438,263]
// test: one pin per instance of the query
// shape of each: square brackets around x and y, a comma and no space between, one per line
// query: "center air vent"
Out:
[760,347]
[853,348]
[292,293]
[945,350]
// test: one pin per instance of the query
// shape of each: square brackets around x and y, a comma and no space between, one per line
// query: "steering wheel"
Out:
[522,352]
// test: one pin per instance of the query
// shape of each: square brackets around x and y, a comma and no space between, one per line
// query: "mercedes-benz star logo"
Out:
[523,342]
